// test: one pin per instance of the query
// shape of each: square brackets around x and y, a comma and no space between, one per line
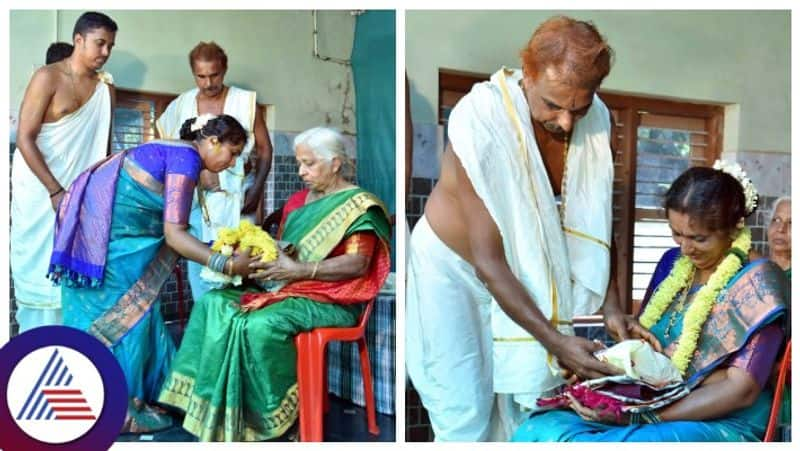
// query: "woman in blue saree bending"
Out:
[119,230]
[714,313]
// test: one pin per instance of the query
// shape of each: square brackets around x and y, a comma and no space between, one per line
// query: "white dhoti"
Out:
[69,146]
[452,369]
[478,373]
[223,207]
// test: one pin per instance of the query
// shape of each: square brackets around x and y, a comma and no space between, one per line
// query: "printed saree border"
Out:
[326,235]
[177,392]
[117,321]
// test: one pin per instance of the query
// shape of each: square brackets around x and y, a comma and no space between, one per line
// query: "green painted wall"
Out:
[730,57]
[268,51]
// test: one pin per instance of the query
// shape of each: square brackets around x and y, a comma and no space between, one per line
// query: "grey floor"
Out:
[345,422]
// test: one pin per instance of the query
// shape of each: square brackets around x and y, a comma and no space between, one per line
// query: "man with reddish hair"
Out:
[229,195]
[515,240]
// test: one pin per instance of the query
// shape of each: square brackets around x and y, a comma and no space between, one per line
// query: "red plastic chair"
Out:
[784,372]
[312,369]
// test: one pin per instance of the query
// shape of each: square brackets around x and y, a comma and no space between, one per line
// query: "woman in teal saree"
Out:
[715,314]
[119,230]
[235,372]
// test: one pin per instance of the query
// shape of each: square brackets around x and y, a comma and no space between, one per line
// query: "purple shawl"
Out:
[83,226]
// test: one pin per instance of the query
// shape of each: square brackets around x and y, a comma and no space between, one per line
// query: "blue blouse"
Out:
[175,166]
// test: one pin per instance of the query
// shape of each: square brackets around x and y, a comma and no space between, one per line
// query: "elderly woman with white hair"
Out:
[779,239]
[779,234]
[235,373]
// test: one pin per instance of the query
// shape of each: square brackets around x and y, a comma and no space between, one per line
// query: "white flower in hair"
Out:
[201,121]
[750,193]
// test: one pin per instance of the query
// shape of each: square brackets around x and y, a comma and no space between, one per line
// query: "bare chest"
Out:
[211,106]
[69,96]
[553,154]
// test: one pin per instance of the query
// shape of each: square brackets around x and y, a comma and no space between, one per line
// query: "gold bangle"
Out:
[229,265]
[314,272]
[208,260]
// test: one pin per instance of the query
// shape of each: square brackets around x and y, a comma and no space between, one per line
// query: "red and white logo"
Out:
[57,396]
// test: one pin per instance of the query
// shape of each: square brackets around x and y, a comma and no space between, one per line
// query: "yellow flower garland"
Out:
[700,308]
[246,235]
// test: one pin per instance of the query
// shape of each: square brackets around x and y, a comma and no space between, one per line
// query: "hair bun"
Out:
[735,170]
[201,121]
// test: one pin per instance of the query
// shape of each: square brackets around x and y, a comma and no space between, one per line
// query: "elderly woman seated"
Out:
[779,238]
[779,234]
[235,372]
[715,314]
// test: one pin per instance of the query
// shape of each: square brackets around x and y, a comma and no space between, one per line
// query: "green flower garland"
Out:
[701,307]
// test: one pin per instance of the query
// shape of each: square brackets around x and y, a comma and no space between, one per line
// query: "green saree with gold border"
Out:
[235,372]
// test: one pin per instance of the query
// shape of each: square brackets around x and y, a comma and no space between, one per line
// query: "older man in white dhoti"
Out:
[515,241]
[64,128]
[223,198]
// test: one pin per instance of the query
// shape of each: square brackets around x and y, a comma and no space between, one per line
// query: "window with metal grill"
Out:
[655,141]
[135,117]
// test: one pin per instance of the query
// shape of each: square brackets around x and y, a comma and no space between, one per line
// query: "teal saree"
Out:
[754,299]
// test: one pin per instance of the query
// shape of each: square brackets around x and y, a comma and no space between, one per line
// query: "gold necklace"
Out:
[564,181]
[563,209]
[680,305]
[75,96]
[201,200]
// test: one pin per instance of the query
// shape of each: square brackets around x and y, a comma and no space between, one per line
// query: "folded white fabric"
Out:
[641,363]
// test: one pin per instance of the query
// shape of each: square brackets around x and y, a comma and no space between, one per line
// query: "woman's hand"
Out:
[598,415]
[283,268]
[241,263]
[623,327]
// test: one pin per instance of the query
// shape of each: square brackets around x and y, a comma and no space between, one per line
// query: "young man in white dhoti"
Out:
[222,198]
[64,127]
[515,240]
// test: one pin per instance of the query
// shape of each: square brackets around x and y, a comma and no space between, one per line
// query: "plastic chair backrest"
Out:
[775,410]
[364,318]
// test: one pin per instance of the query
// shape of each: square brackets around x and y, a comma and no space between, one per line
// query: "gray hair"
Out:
[327,143]
[777,203]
